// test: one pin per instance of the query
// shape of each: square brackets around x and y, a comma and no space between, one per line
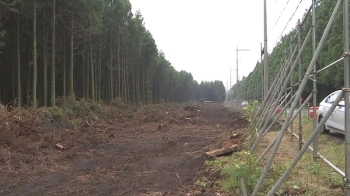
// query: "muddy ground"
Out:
[129,150]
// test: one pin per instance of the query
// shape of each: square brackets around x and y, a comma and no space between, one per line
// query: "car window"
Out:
[332,98]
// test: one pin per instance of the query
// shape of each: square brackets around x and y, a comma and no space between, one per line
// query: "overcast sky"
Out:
[201,36]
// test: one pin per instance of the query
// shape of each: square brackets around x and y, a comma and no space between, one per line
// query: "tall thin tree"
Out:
[19,94]
[45,64]
[35,71]
[92,72]
[71,74]
[53,55]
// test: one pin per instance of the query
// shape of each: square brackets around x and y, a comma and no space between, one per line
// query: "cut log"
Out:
[59,146]
[221,151]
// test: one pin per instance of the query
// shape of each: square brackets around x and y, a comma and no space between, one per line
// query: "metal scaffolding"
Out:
[280,95]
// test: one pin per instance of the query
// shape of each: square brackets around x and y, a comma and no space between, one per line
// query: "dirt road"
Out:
[161,153]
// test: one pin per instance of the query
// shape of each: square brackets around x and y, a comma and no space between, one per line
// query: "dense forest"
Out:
[332,79]
[92,49]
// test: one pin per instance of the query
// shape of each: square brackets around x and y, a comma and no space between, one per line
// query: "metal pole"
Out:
[276,88]
[273,142]
[237,65]
[237,50]
[261,110]
[330,164]
[299,75]
[262,73]
[346,98]
[302,86]
[266,78]
[289,74]
[314,102]
[335,63]
[263,132]
[244,191]
[305,147]
[291,84]
[230,91]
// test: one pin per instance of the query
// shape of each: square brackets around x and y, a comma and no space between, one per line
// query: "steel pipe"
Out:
[306,145]
[295,102]
[330,65]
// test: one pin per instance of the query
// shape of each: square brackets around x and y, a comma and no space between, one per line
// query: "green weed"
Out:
[242,165]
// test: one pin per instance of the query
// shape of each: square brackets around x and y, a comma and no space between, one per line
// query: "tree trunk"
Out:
[119,69]
[126,76]
[71,74]
[138,75]
[85,89]
[100,70]
[28,84]
[87,76]
[111,68]
[13,78]
[19,94]
[134,81]
[35,71]
[64,68]
[45,66]
[53,55]
[92,73]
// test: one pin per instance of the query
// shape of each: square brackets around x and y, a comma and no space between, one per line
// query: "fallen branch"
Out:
[221,151]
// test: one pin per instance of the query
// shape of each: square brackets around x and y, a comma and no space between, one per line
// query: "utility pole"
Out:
[237,62]
[237,65]
[266,78]
[229,89]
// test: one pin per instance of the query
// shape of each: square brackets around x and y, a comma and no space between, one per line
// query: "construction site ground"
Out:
[125,150]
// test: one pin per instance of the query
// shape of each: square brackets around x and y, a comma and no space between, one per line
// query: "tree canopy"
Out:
[332,79]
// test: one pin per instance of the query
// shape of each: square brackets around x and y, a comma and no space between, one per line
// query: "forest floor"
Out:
[129,150]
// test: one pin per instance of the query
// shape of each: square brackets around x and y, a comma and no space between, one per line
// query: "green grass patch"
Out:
[307,177]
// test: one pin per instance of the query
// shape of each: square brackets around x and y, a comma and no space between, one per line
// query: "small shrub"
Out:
[130,115]
[243,165]
[117,102]
[68,111]
[2,107]
[215,164]
[76,106]
[203,182]
[335,179]
[96,108]
[56,113]
[250,109]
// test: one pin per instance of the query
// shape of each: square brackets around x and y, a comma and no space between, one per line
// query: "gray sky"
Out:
[201,36]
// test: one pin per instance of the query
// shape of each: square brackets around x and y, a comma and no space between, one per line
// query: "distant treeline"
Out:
[93,49]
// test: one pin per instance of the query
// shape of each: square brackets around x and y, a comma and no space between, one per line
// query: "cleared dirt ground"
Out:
[147,150]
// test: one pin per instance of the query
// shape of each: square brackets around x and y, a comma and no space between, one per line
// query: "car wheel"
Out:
[323,128]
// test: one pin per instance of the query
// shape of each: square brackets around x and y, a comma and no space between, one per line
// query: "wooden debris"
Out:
[221,151]
[234,135]
[111,135]
[191,108]
[59,146]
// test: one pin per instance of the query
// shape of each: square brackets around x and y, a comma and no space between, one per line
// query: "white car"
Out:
[336,121]
[244,103]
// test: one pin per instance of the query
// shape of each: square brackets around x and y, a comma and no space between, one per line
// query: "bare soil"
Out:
[146,150]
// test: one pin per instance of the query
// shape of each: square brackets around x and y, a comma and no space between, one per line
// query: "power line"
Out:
[288,22]
[278,18]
